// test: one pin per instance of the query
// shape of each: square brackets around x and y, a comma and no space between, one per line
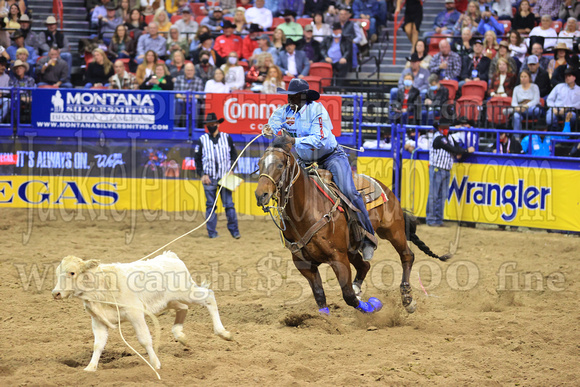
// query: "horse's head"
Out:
[273,169]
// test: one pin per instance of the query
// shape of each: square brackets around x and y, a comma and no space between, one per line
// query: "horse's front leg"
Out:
[341,267]
[310,271]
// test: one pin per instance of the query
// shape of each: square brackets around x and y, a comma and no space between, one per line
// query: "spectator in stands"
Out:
[51,37]
[30,37]
[369,9]
[53,70]
[260,15]
[172,6]
[257,73]
[311,47]
[19,77]
[502,81]
[331,15]
[507,144]
[561,58]
[228,42]
[475,67]
[548,8]
[569,9]
[502,9]
[570,33]
[135,24]
[240,23]
[12,20]
[175,42]
[337,50]
[244,4]
[563,96]
[150,41]
[273,81]
[525,99]
[250,42]
[545,30]
[278,41]
[214,20]
[121,46]
[122,80]
[162,20]
[503,52]
[18,42]
[468,20]
[124,9]
[350,28]
[408,101]
[420,77]
[149,7]
[294,63]
[160,80]
[487,23]
[177,65]
[463,47]
[524,20]
[188,81]
[99,70]
[539,145]
[291,29]
[538,51]
[4,83]
[272,5]
[264,47]
[186,25]
[147,67]
[206,45]
[195,43]
[421,51]
[412,19]
[490,46]
[315,6]
[538,76]
[320,29]
[228,6]
[233,72]
[217,84]
[109,23]
[445,21]
[99,12]
[446,63]
[437,96]
[204,69]
[517,47]
[22,55]
[296,7]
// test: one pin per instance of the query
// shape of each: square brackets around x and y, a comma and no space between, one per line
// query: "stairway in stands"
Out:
[75,25]
[390,72]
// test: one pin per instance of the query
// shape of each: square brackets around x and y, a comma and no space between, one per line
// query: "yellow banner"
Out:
[500,194]
[117,194]
[380,168]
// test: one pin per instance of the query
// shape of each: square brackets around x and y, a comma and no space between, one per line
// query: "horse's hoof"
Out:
[376,303]
[324,311]
[411,307]
[365,307]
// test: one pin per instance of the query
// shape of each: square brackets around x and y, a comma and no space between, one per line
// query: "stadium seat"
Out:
[126,63]
[497,109]
[469,108]
[474,89]
[47,87]
[287,80]
[304,21]
[452,86]
[245,65]
[149,18]
[175,18]
[99,88]
[314,82]
[88,58]
[557,25]
[276,22]
[197,8]
[364,23]
[507,26]
[322,70]
[199,19]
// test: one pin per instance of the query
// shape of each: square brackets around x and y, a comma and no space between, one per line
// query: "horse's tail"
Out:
[411,233]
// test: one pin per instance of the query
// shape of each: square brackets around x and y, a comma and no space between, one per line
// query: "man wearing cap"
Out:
[186,25]
[109,23]
[294,63]
[260,15]
[564,96]
[99,12]
[264,46]
[228,42]
[349,28]
[543,61]
[310,46]
[250,42]
[151,41]
[310,130]
[337,50]
[53,70]
[291,29]
[51,37]
[540,76]
[503,52]
[213,159]
[4,84]
[442,153]
[444,22]
[214,20]
[18,42]
[30,37]
[476,65]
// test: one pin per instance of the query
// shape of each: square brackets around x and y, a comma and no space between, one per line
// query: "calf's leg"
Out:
[205,297]
[101,333]
[180,314]
[144,337]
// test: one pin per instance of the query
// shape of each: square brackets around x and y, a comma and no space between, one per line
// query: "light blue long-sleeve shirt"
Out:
[490,24]
[563,96]
[311,128]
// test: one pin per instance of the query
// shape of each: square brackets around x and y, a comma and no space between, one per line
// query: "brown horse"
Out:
[317,233]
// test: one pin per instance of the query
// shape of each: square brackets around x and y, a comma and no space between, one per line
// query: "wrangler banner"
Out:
[534,195]
[246,113]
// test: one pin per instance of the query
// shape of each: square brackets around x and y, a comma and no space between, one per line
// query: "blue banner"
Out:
[102,110]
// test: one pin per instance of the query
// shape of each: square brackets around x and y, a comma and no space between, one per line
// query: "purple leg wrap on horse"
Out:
[378,305]
[324,311]
[365,307]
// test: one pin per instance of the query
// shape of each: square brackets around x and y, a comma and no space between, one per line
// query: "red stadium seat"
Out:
[507,26]
[198,19]
[322,70]
[230,18]
[47,87]
[149,18]
[452,86]
[469,107]
[276,22]
[496,109]
[557,25]
[287,80]
[304,21]
[126,63]
[474,89]
[99,88]
[315,83]
[514,11]
[175,18]
[245,65]
[88,58]
[364,23]
[198,9]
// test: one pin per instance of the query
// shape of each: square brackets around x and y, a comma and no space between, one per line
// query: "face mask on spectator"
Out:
[408,82]
[232,60]
[212,128]
[287,19]
[205,61]
[336,36]
[434,87]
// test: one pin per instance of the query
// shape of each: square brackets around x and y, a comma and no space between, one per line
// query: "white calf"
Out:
[139,288]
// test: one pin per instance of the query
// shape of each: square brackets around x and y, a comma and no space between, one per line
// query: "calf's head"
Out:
[71,277]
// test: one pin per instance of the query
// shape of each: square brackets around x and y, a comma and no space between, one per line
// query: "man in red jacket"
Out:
[228,42]
[250,42]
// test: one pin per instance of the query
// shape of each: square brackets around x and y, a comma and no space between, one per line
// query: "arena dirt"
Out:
[503,311]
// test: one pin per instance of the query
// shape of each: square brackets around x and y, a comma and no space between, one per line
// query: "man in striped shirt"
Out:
[213,159]
[442,153]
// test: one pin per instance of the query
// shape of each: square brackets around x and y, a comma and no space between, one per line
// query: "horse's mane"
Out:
[281,142]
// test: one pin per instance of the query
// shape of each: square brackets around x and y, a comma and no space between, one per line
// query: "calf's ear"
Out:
[91,263]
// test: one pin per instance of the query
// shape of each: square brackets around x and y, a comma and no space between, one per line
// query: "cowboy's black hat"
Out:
[289,41]
[255,28]
[212,118]
[289,12]
[297,86]
[227,24]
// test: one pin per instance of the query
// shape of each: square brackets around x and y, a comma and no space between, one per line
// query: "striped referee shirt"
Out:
[214,155]
[443,151]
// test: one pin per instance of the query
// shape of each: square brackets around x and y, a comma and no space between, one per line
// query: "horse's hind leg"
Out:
[310,271]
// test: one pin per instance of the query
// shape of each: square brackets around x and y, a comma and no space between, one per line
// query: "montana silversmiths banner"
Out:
[102,110]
